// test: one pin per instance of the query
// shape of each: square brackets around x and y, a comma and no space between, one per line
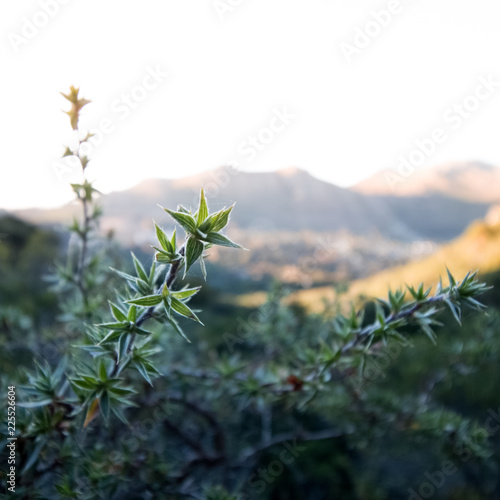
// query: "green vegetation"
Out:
[265,403]
[29,251]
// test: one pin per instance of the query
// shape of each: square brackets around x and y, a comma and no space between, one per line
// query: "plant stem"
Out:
[148,313]
[84,235]
[169,280]
[363,334]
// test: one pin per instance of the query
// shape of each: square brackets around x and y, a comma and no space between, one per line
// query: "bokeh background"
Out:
[359,142]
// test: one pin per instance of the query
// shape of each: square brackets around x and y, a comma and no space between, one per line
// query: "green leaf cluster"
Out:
[202,230]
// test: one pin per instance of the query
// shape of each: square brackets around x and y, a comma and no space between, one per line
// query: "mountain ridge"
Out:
[285,200]
[472,181]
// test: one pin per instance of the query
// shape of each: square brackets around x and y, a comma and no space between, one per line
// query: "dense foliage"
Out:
[269,403]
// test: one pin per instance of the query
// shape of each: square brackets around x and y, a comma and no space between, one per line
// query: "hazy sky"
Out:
[301,77]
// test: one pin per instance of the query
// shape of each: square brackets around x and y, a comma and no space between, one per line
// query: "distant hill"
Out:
[286,200]
[477,249]
[468,181]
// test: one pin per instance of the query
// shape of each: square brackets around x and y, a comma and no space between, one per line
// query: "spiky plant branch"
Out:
[117,352]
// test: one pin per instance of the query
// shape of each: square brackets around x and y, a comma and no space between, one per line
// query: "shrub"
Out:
[132,411]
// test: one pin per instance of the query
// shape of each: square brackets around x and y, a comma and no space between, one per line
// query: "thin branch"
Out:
[302,436]
[148,313]
[169,280]
[219,437]
[392,318]
[84,235]
[192,443]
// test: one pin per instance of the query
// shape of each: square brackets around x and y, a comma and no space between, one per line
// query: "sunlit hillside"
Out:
[478,248]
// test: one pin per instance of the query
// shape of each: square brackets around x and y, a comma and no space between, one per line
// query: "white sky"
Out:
[226,77]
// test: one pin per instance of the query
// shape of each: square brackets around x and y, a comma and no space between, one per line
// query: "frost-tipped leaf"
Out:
[143,371]
[132,314]
[162,238]
[202,209]
[140,331]
[221,240]
[173,241]
[178,329]
[455,310]
[194,249]
[203,268]
[114,326]
[121,348]
[474,304]
[152,272]
[451,279]
[84,383]
[117,313]
[147,301]
[221,219]
[103,373]
[35,404]
[104,405]
[111,337]
[182,309]
[126,276]
[185,220]
[439,286]
[217,221]
[184,294]
[141,273]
